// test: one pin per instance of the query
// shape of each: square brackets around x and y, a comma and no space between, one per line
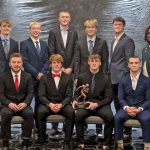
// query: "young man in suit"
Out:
[35,55]
[122,47]
[134,98]
[16,93]
[55,95]
[62,40]
[7,44]
[90,44]
[98,100]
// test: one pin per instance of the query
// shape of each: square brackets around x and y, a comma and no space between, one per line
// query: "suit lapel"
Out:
[32,46]
[2,48]
[60,37]
[68,37]
[52,82]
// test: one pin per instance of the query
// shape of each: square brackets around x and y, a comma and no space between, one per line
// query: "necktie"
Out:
[37,47]
[93,84]
[56,75]
[6,47]
[90,46]
[16,82]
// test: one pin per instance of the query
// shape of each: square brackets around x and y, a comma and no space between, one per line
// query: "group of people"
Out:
[51,70]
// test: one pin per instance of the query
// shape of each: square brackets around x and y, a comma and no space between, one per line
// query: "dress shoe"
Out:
[118,147]
[25,144]
[127,137]
[5,148]
[66,146]
[105,147]
[81,147]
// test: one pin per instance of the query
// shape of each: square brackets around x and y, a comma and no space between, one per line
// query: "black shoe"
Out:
[5,144]
[25,144]
[66,146]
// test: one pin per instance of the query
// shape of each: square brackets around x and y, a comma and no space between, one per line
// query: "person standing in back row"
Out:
[122,47]
[62,40]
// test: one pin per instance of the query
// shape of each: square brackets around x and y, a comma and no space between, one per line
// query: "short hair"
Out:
[15,55]
[94,56]
[91,22]
[119,18]
[7,21]
[34,23]
[134,57]
[56,57]
[64,10]
[147,31]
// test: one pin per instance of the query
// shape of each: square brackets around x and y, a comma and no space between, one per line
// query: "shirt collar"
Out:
[3,38]
[136,77]
[34,40]
[57,72]
[92,39]
[119,36]
[63,28]
[13,74]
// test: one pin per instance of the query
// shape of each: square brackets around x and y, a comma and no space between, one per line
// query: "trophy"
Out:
[82,97]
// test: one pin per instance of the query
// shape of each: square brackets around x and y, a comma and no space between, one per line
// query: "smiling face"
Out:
[35,30]
[56,66]
[118,27]
[16,64]
[5,29]
[91,30]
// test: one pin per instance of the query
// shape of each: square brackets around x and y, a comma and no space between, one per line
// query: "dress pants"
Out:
[67,111]
[105,112]
[143,117]
[7,114]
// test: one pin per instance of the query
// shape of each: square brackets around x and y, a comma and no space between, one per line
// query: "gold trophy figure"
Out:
[82,97]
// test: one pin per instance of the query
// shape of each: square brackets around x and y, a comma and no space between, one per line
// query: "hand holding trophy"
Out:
[82,97]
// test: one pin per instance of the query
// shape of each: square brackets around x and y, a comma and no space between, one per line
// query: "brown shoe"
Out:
[105,147]
[118,147]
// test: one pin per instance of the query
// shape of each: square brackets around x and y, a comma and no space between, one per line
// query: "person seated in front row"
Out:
[134,97]
[16,93]
[55,95]
[98,100]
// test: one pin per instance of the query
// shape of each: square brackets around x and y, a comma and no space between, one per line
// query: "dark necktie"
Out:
[56,75]
[6,47]
[93,84]
[16,82]
[37,47]
[90,46]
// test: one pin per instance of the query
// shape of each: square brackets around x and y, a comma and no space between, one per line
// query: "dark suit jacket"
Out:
[56,46]
[140,97]
[49,93]
[3,60]
[82,54]
[103,92]
[8,91]
[34,63]
[124,49]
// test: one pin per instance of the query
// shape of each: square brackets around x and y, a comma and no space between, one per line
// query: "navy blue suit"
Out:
[35,63]
[3,60]
[138,98]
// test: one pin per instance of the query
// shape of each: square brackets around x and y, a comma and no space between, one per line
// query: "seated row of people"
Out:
[55,95]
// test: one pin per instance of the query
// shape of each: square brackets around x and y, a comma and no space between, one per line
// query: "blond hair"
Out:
[34,23]
[91,22]
[56,57]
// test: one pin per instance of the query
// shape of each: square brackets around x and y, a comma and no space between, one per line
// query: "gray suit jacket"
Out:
[124,49]
[82,54]
[56,45]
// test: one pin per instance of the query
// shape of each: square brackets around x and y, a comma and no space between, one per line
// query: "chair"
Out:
[55,119]
[94,120]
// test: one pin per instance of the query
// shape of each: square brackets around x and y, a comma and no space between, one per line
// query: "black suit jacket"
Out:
[49,93]
[8,93]
[3,60]
[56,45]
[103,92]
[82,54]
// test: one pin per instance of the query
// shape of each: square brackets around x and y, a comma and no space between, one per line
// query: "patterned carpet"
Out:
[92,141]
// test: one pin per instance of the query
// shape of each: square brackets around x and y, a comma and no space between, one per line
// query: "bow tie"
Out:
[56,75]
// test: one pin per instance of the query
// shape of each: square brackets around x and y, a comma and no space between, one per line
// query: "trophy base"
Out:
[81,105]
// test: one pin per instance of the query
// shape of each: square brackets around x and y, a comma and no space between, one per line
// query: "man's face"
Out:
[5,29]
[91,30]
[94,64]
[35,30]
[118,27]
[134,64]
[56,66]
[64,18]
[148,38]
[16,64]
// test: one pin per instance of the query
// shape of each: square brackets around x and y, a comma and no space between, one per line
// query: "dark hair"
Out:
[134,57]
[147,31]
[119,18]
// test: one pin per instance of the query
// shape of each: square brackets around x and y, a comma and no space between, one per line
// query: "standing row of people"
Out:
[64,41]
